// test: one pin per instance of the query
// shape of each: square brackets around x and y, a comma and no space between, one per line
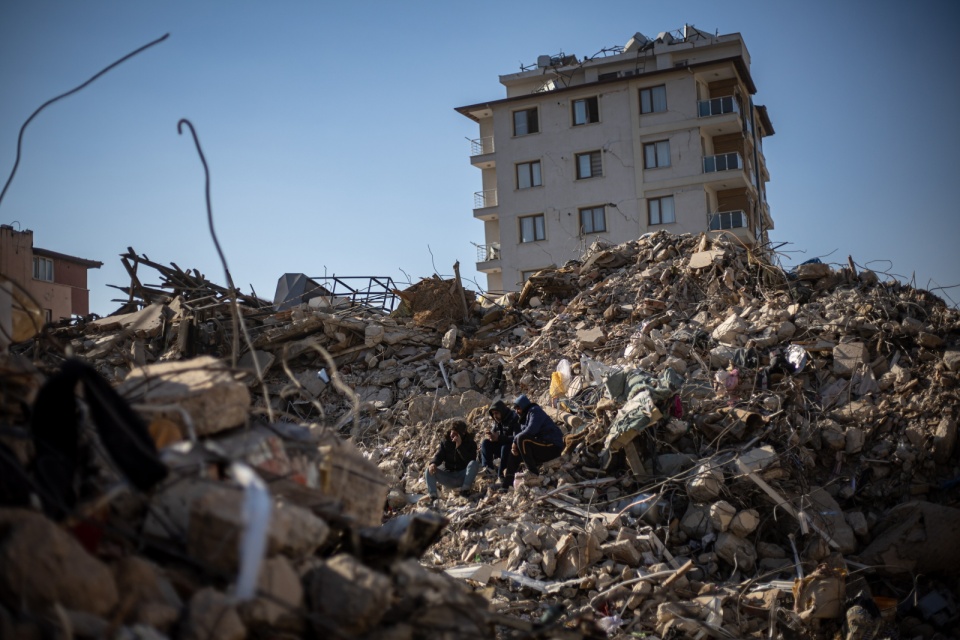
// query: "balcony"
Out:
[481,153]
[717,106]
[485,205]
[488,257]
[723,220]
[723,162]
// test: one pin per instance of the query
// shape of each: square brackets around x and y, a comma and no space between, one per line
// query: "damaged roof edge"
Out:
[90,264]
[738,62]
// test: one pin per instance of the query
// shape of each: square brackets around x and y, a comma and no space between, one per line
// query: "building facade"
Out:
[56,282]
[658,134]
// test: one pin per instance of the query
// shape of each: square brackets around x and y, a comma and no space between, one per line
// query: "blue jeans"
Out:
[462,479]
[490,450]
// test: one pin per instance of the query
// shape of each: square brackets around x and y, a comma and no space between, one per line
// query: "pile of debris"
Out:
[750,453]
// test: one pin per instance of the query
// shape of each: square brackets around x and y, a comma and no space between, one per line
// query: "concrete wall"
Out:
[65,296]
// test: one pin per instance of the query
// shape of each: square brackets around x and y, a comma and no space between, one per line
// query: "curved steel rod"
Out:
[16,162]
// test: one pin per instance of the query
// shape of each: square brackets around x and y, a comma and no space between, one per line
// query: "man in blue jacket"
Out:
[539,440]
[499,437]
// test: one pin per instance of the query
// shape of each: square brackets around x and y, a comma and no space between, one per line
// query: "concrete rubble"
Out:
[751,453]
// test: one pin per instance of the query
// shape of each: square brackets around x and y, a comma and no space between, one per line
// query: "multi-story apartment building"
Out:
[658,134]
[55,282]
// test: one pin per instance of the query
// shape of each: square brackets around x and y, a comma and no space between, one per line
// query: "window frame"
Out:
[659,202]
[602,210]
[589,155]
[530,171]
[539,234]
[649,91]
[657,164]
[591,111]
[536,121]
[38,273]
[526,274]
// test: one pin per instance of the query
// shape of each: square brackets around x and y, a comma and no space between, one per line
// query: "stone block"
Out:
[623,551]
[347,597]
[203,387]
[847,357]
[373,335]
[212,616]
[730,329]
[721,513]
[591,338]
[944,440]
[736,551]
[745,522]
[952,360]
[216,525]
[279,593]
[42,565]
[705,485]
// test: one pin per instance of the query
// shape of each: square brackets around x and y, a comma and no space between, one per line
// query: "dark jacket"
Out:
[536,424]
[454,458]
[509,423]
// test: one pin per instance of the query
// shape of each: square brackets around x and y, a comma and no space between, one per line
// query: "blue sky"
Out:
[334,146]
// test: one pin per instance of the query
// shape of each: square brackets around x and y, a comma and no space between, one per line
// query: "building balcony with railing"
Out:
[722,162]
[717,106]
[723,220]
[488,257]
[481,153]
[485,204]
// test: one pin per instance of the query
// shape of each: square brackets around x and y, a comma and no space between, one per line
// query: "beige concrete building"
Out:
[55,281]
[661,133]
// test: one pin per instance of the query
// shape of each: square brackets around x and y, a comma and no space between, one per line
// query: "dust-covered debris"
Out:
[749,453]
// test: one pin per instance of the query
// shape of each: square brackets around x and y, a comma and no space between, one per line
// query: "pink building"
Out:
[56,281]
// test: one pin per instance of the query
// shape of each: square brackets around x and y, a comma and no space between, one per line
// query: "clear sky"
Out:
[334,146]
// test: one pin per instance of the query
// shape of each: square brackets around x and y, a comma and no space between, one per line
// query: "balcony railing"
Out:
[722,162]
[484,199]
[481,146]
[487,252]
[718,106]
[726,220]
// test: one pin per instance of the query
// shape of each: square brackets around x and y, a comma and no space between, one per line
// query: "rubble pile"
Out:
[750,453]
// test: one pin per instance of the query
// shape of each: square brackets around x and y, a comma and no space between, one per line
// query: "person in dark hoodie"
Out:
[458,457]
[539,440]
[499,437]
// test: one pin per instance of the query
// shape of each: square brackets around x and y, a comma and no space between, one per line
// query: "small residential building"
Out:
[661,133]
[55,281]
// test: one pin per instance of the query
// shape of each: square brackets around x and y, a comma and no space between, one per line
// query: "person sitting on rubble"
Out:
[457,455]
[499,437]
[540,440]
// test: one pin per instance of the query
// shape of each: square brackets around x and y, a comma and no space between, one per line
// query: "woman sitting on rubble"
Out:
[458,456]
[540,440]
[499,438]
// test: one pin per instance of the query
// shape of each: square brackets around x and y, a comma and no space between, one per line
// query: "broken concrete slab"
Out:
[42,565]
[201,394]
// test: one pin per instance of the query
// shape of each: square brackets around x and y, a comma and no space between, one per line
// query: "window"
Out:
[593,220]
[525,122]
[586,111]
[728,220]
[653,100]
[532,228]
[588,165]
[528,175]
[660,210]
[42,269]
[656,154]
